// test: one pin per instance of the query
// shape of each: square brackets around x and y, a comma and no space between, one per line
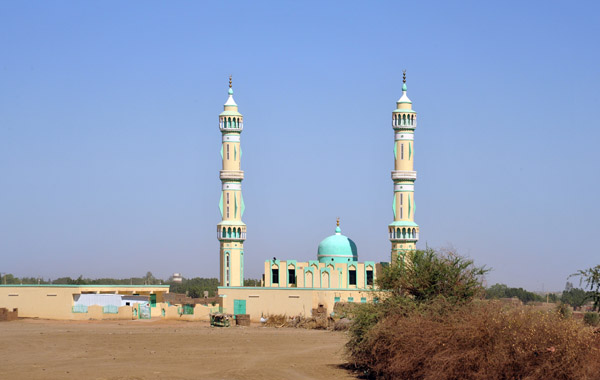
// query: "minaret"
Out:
[403,231]
[231,231]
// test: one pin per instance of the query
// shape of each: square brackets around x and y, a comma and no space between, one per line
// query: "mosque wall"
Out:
[265,301]
[314,274]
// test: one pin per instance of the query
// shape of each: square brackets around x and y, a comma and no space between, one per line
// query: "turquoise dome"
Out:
[337,249]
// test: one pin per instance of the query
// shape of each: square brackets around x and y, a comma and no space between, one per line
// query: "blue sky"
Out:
[109,139]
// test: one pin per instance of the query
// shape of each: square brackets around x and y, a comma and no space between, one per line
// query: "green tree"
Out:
[430,274]
[591,278]
[575,297]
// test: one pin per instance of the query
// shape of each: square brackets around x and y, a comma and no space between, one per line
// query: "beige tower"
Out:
[231,231]
[403,231]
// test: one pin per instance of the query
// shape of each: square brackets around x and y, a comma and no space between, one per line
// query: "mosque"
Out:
[294,287]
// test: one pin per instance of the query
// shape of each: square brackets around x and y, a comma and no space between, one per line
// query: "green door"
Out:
[153,300]
[239,307]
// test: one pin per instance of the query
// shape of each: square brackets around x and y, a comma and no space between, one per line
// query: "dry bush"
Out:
[480,340]
[316,323]
[277,320]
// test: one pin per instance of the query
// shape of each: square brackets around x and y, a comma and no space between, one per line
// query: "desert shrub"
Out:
[478,340]
[564,310]
[591,319]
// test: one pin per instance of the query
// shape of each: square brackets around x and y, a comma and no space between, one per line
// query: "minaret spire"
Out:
[403,231]
[231,231]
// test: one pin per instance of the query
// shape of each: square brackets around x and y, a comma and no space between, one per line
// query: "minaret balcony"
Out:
[403,234]
[239,128]
[234,175]
[405,240]
[404,124]
[398,175]
[231,233]
[242,237]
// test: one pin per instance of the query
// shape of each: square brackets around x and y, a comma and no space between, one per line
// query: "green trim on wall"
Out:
[403,223]
[235,205]
[394,206]
[234,152]
[243,208]
[414,206]
[221,204]
[409,150]
[242,268]
[395,151]
[221,151]
[408,206]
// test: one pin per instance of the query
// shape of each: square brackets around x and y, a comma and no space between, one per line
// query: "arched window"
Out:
[404,233]
[229,232]
[414,233]
[398,233]
[224,233]
[239,232]
[404,119]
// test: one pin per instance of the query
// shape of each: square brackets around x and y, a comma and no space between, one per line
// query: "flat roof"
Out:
[82,286]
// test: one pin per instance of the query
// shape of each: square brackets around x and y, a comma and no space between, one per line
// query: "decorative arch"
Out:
[308,278]
[325,279]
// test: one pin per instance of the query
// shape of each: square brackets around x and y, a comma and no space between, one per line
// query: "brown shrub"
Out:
[277,320]
[321,322]
[481,340]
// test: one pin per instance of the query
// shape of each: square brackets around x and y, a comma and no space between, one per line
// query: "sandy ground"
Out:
[42,349]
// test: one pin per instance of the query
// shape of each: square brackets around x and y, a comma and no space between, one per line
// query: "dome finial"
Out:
[403,76]
[338,221]
[230,89]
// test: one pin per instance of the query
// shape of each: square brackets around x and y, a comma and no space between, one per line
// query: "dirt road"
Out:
[41,349]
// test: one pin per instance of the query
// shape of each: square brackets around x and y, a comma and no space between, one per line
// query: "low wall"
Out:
[201,313]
